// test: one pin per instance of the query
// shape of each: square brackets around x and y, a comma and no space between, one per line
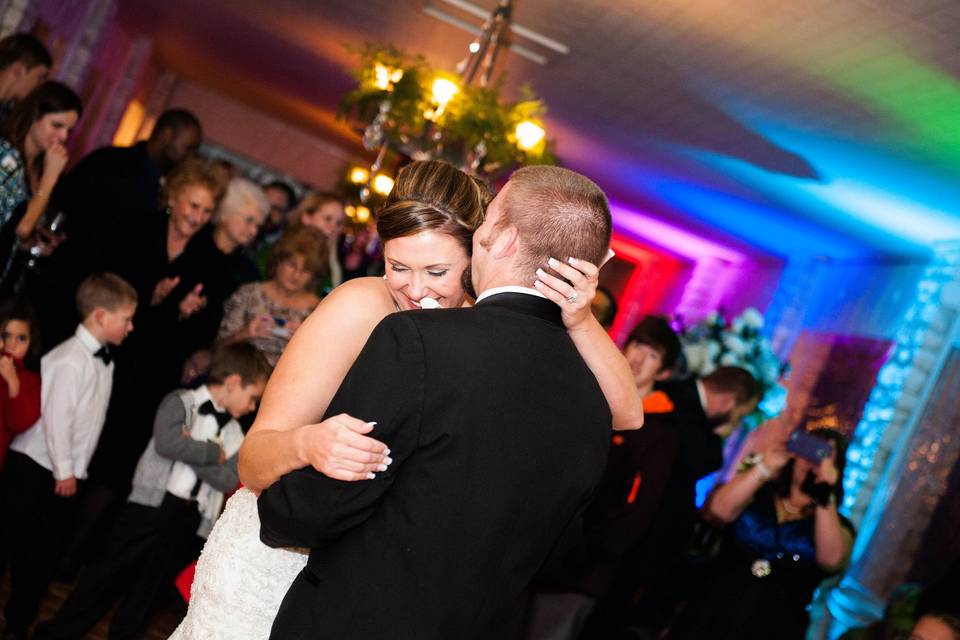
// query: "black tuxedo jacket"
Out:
[498,434]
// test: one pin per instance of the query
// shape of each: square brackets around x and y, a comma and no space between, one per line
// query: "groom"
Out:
[498,434]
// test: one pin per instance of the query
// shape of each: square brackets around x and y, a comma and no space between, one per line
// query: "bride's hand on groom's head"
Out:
[339,448]
[573,291]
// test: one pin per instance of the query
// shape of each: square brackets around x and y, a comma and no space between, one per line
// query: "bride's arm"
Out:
[285,435]
[598,351]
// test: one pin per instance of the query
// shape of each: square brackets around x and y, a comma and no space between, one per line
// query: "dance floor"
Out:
[165,620]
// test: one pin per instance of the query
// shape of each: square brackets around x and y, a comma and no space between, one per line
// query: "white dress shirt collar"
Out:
[202,393]
[702,394]
[510,289]
[86,339]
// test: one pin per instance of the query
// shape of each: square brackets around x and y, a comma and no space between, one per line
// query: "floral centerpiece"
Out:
[714,342]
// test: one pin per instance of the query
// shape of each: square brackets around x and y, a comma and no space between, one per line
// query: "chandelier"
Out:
[408,107]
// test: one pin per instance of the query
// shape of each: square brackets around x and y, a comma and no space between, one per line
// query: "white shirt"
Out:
[74,392]
[204,427]
[510,289]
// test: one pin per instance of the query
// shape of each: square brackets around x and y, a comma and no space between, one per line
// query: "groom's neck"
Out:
[504,280]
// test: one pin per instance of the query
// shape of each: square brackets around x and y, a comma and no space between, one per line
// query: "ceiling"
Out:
[809,127]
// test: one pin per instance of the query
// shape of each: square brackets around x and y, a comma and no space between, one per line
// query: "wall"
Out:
[258,136]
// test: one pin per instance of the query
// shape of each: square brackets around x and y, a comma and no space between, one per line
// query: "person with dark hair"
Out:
[32,156]
[188,466]
[784,536]
[107,191]
[20,387]
[24,64]
[703,411]
[113,184]
[638,467]
[282,199]
[604,307]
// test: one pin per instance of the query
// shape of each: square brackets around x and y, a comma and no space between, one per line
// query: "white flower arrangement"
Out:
[713,342]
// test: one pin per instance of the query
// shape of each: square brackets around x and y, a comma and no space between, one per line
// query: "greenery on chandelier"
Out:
[427,113]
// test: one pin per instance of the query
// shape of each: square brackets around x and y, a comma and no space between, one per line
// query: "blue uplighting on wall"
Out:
[879,410]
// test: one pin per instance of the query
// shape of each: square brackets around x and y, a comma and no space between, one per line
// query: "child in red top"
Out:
[19,386]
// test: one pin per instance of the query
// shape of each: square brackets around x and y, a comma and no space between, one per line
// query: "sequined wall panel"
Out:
[940,546]
[845,382]
[932,455]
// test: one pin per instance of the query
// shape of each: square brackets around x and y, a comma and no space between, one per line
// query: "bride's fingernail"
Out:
[537,284]
[539,271]
[371,424]
[387,452]
[552,262]
[572,260]
[371,476]
[382,467]
[387,461]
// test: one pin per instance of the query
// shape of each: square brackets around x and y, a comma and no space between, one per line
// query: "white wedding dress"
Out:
[240,581]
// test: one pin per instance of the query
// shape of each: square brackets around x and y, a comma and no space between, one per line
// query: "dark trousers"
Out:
[136,560]
[97,509]
[35,519]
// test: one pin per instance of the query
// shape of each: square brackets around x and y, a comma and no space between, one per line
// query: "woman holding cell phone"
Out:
[784,535]
[266,314]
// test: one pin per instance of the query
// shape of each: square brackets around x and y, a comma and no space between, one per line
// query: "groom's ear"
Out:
[506,243]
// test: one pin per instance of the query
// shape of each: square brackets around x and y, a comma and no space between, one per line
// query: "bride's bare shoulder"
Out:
[366,295]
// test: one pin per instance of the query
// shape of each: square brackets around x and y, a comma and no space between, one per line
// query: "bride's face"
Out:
[426,265]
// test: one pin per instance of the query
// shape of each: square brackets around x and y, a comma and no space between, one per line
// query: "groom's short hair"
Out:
[557,213]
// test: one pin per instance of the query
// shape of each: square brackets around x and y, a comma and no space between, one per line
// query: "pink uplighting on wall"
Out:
[715,275]
[662,234]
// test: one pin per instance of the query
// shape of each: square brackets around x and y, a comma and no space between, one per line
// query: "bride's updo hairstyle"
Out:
[434,196]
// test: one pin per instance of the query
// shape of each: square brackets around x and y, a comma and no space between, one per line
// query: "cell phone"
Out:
[282,332]
[808,446]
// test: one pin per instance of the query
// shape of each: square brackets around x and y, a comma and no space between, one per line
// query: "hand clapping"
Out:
[192,302]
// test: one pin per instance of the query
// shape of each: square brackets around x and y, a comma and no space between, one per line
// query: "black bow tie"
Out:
[207,409]
[104,354]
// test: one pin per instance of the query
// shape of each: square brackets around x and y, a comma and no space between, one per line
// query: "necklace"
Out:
[785,503]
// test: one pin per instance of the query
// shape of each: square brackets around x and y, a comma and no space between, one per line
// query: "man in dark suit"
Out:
[704,410]
[498,434]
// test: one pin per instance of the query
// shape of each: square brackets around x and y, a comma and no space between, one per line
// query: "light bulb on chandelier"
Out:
[383,184]
[529,134]
[384,77]
[359,175]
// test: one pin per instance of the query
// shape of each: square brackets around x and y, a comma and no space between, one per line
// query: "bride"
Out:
[427,224]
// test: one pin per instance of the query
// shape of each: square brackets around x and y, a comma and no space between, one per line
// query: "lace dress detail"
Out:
[240,581]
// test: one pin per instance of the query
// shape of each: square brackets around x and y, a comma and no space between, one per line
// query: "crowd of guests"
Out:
[215,272]
[147,296]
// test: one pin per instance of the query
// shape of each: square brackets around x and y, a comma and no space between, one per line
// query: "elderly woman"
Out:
[268,313]
[219,261]
[784,536]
